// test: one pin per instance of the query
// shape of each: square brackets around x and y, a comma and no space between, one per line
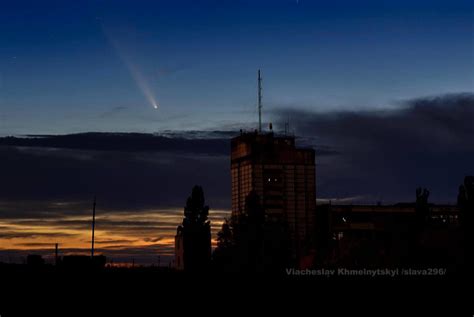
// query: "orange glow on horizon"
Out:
[118,231]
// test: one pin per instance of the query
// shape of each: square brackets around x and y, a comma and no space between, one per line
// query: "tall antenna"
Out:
[93,228]
[259,102]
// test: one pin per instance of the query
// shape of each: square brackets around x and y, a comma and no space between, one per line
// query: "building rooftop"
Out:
[269,147]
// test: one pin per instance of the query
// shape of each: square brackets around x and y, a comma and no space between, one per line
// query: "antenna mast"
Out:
[259,102]
[93,228]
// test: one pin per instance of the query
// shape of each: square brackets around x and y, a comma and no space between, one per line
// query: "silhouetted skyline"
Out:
[136,102]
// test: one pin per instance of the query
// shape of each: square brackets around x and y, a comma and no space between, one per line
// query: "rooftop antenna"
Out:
[259,102]
[93,227]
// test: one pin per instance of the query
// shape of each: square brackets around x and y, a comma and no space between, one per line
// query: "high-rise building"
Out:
[284,178]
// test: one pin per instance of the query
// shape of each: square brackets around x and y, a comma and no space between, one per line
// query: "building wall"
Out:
[282,175]
[242,184]
[388,235]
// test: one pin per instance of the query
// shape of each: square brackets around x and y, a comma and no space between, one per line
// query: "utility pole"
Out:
[93,228]
[56,254]
[259,102]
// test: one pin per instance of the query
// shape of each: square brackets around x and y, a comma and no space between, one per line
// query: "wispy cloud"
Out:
[153,239]
[113,112]
[32,235]
[124,235]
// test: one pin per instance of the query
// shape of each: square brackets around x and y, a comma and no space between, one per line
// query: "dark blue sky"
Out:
[70,66]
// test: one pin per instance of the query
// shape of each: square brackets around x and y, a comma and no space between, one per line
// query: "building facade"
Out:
[283,177]
[388,235]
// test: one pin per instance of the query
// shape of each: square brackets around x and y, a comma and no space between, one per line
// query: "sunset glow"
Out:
[120,235]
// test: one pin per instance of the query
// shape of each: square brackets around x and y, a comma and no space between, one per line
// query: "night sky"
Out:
[382,90]
[66,62]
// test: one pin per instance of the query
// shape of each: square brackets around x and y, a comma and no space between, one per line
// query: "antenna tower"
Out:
[259,102]
[93,228]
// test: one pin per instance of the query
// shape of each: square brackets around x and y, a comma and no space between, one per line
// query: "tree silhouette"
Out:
[258,242]
[196,232]
[224,252]
[246,248]
[224,236]
[196,212]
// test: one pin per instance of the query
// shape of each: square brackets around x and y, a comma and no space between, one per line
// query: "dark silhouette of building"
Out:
[282,176]
[34,260]
[179,249]
[466,219]
[193,237]
[421,207]
[83,262]
[466,202]
[388,235]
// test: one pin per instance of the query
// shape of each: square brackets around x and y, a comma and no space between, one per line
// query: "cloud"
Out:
[386,154]
[32,235]
[121,235]
[183,142]
[113,112]
[342,200]
[382,155]
[125,171]
[139,234]
[168,71]
[22,210]
[142,180]
[145,224]
[36,244]
[114,241]
[154,240]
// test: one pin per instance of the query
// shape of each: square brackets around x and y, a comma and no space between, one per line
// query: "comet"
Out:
[134,70]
